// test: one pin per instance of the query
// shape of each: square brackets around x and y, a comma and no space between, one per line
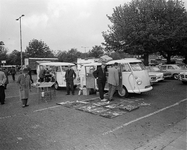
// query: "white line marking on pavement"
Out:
[146,116]
[46,108]
[7,117]
[7,97]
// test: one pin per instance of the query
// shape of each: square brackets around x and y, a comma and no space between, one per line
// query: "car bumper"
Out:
[157,80]
[168,76]
[149,88]
[183,79]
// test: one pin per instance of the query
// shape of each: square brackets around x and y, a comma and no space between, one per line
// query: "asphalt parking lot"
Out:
[44,125]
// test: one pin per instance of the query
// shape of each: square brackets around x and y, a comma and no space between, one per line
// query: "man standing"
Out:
[42,74]
[70,76]
[2,88]
[100,75]
[13,72]
[24,84]
[113,80]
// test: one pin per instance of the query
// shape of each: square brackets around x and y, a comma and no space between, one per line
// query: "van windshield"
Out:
[137,66]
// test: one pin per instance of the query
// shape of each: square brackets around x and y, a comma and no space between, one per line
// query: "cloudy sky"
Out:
[61,24]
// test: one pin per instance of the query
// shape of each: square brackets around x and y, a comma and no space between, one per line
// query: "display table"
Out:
[46,91]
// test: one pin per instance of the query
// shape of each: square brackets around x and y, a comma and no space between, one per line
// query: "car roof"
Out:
[126,60]
[57,64]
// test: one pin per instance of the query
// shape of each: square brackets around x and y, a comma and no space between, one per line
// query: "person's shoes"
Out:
[103,100]
[67,94]
[23,106]
[2,103]
[106,94]
[110,100]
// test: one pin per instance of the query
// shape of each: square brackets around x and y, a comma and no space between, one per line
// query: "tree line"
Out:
[39,49]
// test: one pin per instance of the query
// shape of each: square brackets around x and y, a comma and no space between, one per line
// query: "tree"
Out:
[69,56]
[38,49]
[3,52]
[14,58]
[96,51]
[143,27]
[2,43]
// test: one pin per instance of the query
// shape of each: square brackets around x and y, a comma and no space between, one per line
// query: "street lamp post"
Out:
[19,19]
[84,49]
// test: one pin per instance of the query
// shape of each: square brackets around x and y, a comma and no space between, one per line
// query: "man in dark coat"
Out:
[100,75]
[2,88]
[70,76]
[30,73]
[13,72]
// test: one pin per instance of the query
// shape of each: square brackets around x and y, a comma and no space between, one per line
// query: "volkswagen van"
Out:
[58,70]
[133,76]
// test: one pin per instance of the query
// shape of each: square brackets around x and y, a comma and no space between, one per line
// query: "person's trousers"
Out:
[13,77]
[2,94]
[24,102]
[112,89]
[101,86]
[70,86]
[31,78]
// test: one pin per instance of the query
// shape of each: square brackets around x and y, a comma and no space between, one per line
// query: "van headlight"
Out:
[139,82]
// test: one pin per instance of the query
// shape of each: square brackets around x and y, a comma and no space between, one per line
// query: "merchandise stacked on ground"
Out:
[105,109]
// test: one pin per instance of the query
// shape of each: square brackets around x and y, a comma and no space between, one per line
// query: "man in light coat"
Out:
[113,80]
[24,84]
[2,86]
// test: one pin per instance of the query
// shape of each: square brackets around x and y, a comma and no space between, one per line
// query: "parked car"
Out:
[156,69]
[154,75]
[172,68]
[183,77]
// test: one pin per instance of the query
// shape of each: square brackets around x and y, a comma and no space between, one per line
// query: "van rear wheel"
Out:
[123,92]
[56,86]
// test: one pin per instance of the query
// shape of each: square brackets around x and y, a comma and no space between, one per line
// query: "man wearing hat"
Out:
[100,75]
[2,88]
[24,84]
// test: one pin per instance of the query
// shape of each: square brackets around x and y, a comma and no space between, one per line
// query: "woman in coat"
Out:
[24,84]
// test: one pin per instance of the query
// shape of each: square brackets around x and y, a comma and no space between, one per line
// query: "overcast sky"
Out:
[61,24]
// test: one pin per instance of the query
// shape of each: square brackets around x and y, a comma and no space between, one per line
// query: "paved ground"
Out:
[47,126]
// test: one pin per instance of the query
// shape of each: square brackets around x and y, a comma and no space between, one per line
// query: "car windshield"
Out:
[137,66]
[176,67]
